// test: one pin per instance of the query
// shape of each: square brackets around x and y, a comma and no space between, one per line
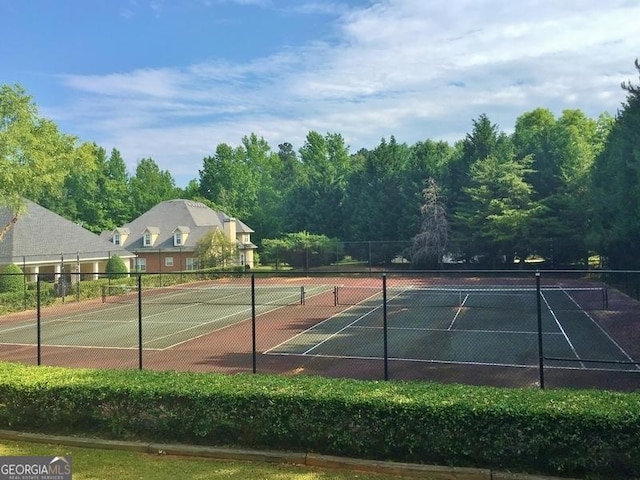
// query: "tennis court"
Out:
[425,328]
[492,325]
[169,316]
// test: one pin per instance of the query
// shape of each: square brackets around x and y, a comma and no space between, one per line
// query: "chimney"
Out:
[230,229]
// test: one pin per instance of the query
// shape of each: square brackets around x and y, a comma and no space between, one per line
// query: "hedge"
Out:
[557,432]
[17,301]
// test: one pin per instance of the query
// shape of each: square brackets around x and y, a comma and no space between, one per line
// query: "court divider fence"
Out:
[576,329]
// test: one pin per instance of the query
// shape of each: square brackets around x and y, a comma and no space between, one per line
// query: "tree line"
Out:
[559,188]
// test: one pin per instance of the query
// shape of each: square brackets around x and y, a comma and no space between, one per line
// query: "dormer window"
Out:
[150,236]
[119,236]
[180,235]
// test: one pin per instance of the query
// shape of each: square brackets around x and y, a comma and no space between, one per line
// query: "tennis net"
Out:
[495,297]
[206,294]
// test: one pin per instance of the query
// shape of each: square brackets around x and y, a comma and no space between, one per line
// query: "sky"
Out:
[173,79]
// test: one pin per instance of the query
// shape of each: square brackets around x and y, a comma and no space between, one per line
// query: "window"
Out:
[191,263]
[116,239]
[168,261]
[146,239]
[177,239]
[140,264]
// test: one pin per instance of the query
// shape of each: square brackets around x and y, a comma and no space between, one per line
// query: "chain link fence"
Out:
[516,328]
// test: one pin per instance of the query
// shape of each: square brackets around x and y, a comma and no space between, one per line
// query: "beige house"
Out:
[43,242]
[164,238]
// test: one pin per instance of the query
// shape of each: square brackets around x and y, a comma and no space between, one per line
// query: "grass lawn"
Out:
[94,464]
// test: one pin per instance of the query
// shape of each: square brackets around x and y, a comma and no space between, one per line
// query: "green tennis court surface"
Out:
[485,326]
[495,326]
[170,316]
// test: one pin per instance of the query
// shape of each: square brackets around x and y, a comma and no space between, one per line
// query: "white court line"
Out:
[335,315]
[421,329]
[32,323]
[448,362]
[458,312]
[244,319]
[562,329]
[601,329]
[315,290]
[342,329]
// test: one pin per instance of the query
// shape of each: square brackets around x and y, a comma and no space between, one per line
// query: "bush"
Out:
[116,268]
[19,301]
[11,279]
[540,431]
[300,250]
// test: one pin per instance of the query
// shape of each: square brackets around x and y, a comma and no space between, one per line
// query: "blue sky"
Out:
[171,79]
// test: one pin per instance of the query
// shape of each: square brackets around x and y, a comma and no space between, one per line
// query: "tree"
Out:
[379,206]
[565,220]
[150,186]
[82,201]
[430,244]
[215,250]
[563,153]
[300,250]
[615,182]
[533,135]
[192,190]
[35,157]
[224,178]
[115,193]
[485,139]
[266,187]
[317,198]
[499,208]
[480,179]
[96,193]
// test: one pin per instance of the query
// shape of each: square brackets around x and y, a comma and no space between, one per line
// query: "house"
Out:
[164,238]
[42,242]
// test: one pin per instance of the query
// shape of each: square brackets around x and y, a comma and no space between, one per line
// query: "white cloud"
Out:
[416,69]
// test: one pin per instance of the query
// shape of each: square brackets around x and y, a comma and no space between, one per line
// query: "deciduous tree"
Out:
[150,186]
[215,250]
[35,157]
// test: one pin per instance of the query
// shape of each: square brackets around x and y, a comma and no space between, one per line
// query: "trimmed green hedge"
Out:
[553,432]
[19,301]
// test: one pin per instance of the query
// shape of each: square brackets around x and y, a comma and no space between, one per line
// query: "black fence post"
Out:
[540,350]
[140,321]
[24,278]
[384,326]
[38,321]
[253,320]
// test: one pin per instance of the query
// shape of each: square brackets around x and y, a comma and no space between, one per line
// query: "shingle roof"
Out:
[40,235]
[190,217]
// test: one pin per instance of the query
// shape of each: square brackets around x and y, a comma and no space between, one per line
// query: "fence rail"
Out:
[543,329]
